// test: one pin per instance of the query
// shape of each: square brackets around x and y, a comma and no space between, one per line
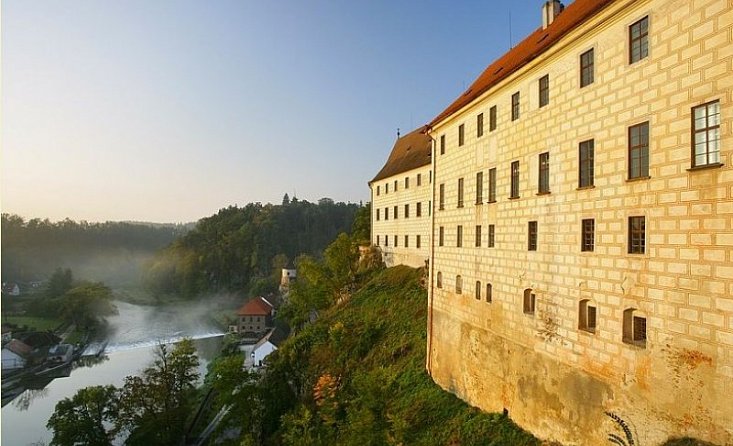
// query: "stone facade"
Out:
[401,203]
[611,267]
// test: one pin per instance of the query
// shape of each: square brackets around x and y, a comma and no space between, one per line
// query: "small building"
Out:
[287,277]
[15,355]
[267,345]
[255,316]
[11,289]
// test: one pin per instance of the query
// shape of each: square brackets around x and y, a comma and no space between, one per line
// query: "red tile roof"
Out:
[409,152]
[255,307]
[528,49]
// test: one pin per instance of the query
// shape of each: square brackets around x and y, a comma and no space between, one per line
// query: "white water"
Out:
[136,332]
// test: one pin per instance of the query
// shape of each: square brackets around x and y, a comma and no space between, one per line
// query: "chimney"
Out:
[550,10]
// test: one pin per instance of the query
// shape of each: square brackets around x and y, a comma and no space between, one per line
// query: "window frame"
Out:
[492,185]
[632,332]
[642,39]
[544,90]
[489,292]
[587,68]
[441,236]
[514,182]
[478,234]
[479,125]
[637,234]
[459,284]
[587,235]
[459,236]
[460,192]
[492,118]
[515,106]
[477,290]
[529,302]
[442,144]
[492,236]
[586,164]
[585,321]
[461,135]
[707,130]
[532,228]
[407,210]
[543,177]
[480,187]
[441,196]
[418,209]
[638,152]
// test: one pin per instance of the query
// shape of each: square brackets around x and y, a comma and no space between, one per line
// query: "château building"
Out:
[581,261]
[401,201]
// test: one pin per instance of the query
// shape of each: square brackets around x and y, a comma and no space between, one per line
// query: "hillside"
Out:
[357,376]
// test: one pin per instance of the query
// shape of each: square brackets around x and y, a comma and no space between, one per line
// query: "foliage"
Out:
[110,252]
[357,376]
[82,419]
[149,409]
[237,248]
[59,283]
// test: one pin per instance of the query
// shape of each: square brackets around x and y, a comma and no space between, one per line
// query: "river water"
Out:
[136,331]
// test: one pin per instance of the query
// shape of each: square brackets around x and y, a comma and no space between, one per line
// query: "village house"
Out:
[15,355]
[582,230]
[401,195]
[255,316]
[268,344]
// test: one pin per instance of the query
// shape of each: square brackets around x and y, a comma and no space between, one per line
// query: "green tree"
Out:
[153,407]
[362,227]
[60,282]
[87,304]
[82,418]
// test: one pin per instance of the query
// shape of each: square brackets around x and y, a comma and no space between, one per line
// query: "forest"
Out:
[243,248]
[112,252]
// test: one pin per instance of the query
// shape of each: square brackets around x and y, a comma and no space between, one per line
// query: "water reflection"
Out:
[137,331]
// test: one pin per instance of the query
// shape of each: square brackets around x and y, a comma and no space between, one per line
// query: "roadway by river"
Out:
[137,330]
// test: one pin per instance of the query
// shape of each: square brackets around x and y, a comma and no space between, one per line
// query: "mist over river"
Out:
[135,332]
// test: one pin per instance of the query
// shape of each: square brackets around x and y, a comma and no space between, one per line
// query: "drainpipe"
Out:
[431,258]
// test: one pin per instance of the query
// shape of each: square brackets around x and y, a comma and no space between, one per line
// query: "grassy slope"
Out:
[375,345]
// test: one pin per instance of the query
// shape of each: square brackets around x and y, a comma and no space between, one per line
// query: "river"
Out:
[136,330]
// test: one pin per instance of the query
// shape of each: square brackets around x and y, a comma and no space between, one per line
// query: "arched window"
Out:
[634,328]
[478,290]
[459,284]
[529,301]
[488,292]
[439,280]
[587,316]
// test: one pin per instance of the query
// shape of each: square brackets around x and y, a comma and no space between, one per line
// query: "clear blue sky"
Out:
[168,110]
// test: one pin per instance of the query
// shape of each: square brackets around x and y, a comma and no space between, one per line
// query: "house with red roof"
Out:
[255,316]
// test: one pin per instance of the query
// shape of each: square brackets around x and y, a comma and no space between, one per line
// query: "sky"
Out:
[169,110]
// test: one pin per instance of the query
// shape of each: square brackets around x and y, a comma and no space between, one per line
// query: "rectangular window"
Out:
[478,236]
[480,125]
[407,241]
[588,235]
[585,166]
[377,240]
[395,212]
[639,151]
[442,144]
[491,236]
[395,241]
[529,301]
[634,328]
[586,68]
[515,106]
[441,236]
[544,90]
[407,211]
[477,290]
[706,134]
[489,297]
[544,175]
[407,182]
[418,209]
[460,192]
[386,240]
[395,185]
[441,197]
[417,241]
[492,118]
[514,186]
[461,135]
[639,40]
[377,190]
[378,214]
[386,188]
[479,188]
[386,213]
[637,235]
[419,179]
[459,236]
[532,236]
[492,185]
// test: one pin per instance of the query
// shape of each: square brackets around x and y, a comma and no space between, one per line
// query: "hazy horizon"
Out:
[168,111]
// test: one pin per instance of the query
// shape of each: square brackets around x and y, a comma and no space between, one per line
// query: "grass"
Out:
[33,323]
